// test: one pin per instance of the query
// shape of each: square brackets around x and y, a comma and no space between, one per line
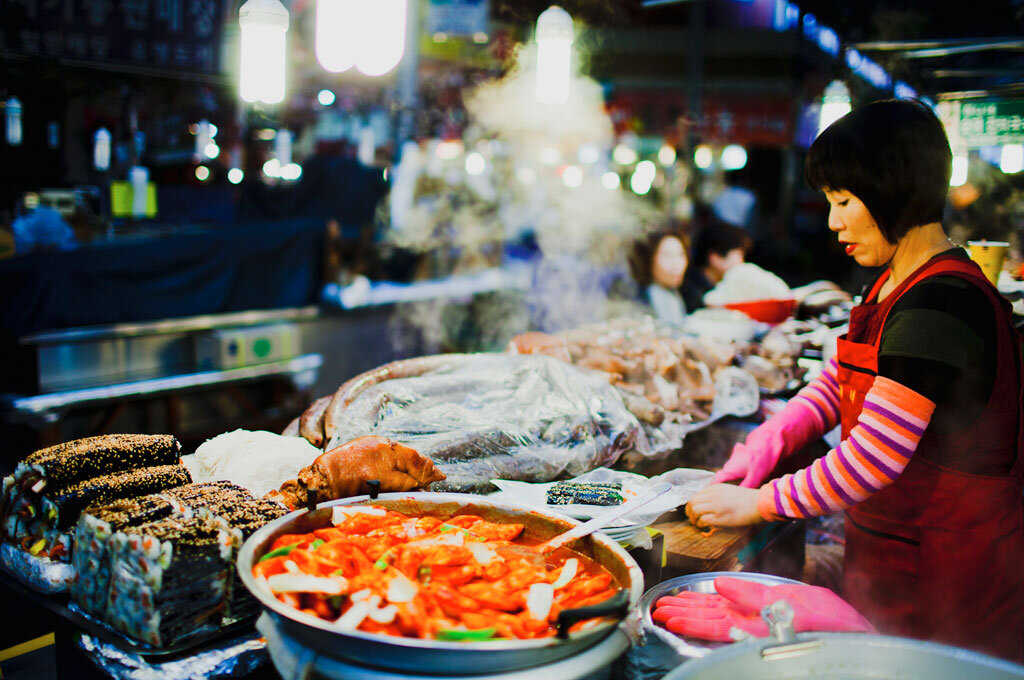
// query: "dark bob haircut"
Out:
[893,155]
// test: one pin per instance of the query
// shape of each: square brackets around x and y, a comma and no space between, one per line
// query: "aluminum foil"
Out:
[234,658]
[41,574]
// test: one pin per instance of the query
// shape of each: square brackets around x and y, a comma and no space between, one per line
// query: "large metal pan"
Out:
[845,656]
[411,654]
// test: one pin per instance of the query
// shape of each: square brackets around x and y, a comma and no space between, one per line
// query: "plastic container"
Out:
[768,311]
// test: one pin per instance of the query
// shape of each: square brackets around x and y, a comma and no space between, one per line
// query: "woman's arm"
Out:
[808,415]
[891,424]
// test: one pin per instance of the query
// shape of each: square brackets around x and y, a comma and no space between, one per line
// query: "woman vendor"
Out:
[659,263]
[927,387]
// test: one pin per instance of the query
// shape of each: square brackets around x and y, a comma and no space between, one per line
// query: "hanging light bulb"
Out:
[337,34]
[263,24]
[834,105]
[959,175]
[203,137]
[382,34]
[12,114]
[703,156]
[734,157]
[554,55]
[283,146]
[325,97]
[101,150]
[1011,158]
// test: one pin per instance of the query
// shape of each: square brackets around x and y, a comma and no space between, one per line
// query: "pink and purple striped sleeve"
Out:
[821,397]
[880,445]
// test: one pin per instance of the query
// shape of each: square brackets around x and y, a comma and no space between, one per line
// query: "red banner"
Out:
[724,119]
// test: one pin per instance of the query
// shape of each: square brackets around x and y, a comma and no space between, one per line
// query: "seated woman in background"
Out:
[717,248]
[659,263]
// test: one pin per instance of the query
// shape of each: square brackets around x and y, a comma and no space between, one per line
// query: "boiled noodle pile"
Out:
[746,283]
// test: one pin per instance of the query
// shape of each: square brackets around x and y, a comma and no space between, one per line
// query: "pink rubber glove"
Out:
[738,605]
[706,616]
[787,431]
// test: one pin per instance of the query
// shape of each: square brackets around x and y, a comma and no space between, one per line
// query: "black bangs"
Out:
[823,169]
[893,155]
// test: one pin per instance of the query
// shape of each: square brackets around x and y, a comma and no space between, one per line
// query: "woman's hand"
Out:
[724,505]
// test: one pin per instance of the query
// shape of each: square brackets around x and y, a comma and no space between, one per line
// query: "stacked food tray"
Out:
[151,553]
[45,496]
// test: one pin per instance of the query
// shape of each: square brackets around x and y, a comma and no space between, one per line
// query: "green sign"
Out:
[986,123]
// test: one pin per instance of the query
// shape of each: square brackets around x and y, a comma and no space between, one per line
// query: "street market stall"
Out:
[73,562]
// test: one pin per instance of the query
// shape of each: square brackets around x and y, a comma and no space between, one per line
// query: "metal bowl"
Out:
[845,656]
[425,656]
[699,583]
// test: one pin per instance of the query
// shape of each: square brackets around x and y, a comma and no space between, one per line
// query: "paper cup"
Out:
[989,255]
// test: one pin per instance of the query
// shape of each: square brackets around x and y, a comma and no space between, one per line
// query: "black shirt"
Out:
[940,340]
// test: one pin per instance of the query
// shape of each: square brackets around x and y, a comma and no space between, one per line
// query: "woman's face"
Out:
[857,230]
[670,262]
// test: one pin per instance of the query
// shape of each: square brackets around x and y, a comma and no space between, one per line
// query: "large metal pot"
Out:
[844,656]
[411,654]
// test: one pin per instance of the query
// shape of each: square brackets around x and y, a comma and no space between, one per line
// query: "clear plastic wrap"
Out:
[666,377]
[519,417]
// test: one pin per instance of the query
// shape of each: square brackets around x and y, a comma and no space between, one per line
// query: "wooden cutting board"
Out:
[690,551]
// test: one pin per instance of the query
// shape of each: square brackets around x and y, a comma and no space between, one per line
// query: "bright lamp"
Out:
[554,55]
[263,25]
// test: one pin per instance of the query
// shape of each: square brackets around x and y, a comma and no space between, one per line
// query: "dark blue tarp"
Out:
[255,266]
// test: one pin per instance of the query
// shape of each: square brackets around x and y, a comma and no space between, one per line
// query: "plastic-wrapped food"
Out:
[92,533]
[485,416]
[664,376]
[169,579]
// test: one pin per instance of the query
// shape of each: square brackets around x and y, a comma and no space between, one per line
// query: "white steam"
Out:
[543,175]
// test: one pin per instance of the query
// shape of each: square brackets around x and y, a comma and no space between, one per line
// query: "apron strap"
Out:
[943,264]
[950,264]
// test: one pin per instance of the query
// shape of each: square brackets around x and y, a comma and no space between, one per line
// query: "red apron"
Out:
[939,554]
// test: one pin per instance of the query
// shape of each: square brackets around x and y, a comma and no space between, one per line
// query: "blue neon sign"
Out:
[903,91]
[822,35]
[868,70]
[786,15]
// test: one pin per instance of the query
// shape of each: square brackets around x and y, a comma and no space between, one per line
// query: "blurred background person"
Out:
[659,263]
[717,248]
[40,227]
[736,203]
[981,207]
